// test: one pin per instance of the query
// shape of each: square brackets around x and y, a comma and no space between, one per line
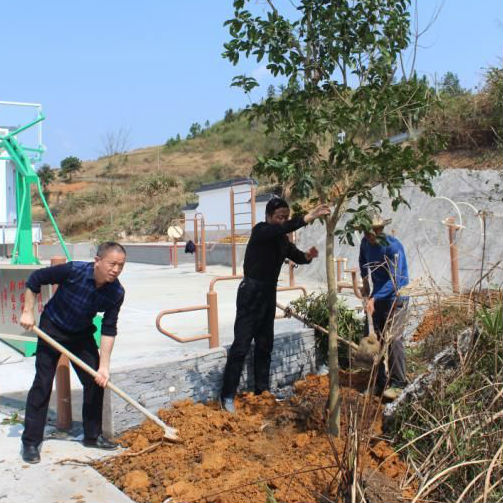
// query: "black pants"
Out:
[389,320]
[255,311]
[46,360]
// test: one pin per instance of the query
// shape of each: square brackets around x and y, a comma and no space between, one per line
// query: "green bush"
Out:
[467,121]
[155,184]
[313,308]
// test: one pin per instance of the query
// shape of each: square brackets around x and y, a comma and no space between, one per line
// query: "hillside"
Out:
[136,195]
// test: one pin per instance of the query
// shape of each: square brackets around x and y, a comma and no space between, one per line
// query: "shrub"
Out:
[156,184]
[314,308]
[452,432]
[471,120]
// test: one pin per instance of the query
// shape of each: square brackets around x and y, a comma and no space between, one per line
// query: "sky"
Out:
[152,68]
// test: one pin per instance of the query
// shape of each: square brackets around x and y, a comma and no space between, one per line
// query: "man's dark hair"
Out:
[107,246]
[274,204]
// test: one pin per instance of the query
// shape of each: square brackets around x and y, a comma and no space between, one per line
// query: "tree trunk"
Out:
[334,398]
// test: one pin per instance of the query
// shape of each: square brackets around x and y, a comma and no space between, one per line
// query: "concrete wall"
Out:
[200,377]
[148,254]
[78,251]
[424,237]
[155,253]
[221,254]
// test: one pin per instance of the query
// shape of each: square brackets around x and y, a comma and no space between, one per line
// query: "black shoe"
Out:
[100,443]
[30,454]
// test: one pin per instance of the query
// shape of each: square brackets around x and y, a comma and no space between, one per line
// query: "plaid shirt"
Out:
[77,299]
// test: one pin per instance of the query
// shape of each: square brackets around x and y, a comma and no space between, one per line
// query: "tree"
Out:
[340,60]
[115,145]
[229,115]
[194,130]
[450,85]
[46,176]
[271,91]
[173,141]
[69,166]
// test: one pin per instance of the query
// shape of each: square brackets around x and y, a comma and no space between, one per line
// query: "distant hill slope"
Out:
[137,194]
[228,146]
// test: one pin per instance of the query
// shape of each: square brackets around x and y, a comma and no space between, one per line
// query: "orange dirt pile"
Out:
[230,458]
[456,311]
[428,325]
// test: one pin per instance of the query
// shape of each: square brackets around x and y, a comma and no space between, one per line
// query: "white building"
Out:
[214,204]
[7,188]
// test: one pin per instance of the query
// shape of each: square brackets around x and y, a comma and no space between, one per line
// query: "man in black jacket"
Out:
[256,299]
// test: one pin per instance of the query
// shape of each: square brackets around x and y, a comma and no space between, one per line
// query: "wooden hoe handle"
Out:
[169,432]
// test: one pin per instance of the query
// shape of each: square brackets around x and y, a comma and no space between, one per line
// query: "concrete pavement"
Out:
[149,289]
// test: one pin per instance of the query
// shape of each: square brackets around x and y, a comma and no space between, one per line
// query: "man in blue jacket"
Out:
[85,288]
[383,258]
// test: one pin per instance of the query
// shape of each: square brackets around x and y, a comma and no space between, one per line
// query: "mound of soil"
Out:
[268,446]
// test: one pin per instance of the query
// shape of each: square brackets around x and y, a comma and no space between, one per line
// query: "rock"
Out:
[136,480]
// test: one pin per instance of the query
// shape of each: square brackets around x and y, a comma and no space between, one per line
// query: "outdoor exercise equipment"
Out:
[24,158]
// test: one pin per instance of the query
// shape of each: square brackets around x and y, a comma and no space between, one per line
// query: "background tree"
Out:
[69,166]
[229,115]
[115,145]
[340,62]
[194,130]
[450,85]
[46,176]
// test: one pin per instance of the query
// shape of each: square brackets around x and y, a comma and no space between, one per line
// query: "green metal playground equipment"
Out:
[23,158]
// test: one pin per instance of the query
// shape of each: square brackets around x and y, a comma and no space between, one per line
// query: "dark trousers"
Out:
[255,311]
[46,360]
[389,320]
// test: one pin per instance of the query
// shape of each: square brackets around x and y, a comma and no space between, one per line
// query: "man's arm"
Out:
[298,256]
[54,275]
[106,346]
[269,231]
[27,319]
[395,260]
[364,271]
[108,333]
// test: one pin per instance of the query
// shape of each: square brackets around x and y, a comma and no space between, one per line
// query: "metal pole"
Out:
[453,249]
[212,300]
[203,246]
[339,269]
[196,239]
[253,206]
[175,255]
[233,233]
[63,388]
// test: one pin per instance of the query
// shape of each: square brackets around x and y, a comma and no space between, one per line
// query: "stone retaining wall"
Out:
[200,377]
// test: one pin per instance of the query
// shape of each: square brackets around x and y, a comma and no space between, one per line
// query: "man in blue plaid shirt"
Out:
[85,289]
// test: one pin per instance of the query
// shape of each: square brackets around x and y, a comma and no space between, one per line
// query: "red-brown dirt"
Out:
[231,458]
